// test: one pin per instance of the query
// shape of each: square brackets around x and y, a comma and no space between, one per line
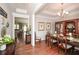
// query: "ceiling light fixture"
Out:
[62,11]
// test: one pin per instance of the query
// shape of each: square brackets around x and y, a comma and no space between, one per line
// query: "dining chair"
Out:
[37,38]
[53,41]
[62,44]
[77,48]
[76,51]
[48,37]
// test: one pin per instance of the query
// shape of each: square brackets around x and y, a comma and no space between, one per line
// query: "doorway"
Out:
[20,27]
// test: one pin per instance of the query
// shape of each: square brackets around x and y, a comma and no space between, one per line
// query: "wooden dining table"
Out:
[73,41]
[70,40]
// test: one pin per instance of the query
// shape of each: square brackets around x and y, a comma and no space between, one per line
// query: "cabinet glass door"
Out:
[70,27]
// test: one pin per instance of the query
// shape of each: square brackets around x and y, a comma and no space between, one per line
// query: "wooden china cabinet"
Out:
[67,26]
[59,27]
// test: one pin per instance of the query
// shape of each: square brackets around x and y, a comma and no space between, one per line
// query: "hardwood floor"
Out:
[39,49]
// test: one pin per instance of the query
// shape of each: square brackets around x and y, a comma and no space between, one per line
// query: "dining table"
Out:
[73,41]
[70,40]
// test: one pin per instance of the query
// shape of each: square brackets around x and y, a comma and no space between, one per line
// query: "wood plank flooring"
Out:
[39,49]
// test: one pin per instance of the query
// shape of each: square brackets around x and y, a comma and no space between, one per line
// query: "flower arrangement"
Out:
[5,40]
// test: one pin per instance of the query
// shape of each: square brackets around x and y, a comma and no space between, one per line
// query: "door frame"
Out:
[18,15]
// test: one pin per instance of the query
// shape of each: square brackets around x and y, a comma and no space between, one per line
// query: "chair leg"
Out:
[40,40]
[65,51]
[47,43]
[51,44]
[58,50]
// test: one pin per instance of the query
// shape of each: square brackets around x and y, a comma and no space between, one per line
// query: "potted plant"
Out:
[5,40]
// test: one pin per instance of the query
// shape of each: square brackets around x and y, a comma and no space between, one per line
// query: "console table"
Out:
[28,39]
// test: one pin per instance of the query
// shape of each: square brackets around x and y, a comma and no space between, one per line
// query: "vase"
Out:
[3,47]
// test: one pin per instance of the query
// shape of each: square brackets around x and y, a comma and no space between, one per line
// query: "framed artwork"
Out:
[70,27]
[48,26]
[41,26]
[3,13]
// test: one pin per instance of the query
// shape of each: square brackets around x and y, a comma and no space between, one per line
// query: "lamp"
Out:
[70,34]
[55,32]
[62,11]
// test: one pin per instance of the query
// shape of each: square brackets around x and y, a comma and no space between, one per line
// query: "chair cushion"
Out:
[68,46]
[54,40]
[77,48]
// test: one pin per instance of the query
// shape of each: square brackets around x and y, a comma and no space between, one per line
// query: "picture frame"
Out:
[3,13]
[41,26]
[48,26]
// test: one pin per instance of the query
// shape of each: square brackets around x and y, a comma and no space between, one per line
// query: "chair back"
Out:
[62,41]
[48,36]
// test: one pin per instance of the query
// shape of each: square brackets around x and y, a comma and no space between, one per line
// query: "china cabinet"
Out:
[67,26]
[59,27]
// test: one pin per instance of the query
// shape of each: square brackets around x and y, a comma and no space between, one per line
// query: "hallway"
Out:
[40,49]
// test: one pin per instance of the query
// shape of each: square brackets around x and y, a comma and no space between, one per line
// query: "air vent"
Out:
[21,10]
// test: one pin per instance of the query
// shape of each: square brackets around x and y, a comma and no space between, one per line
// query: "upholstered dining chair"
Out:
[75,51]
[48,38]
[53,41]
[37,38]
[62,44]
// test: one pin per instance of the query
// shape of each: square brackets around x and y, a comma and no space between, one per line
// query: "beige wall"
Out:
[9,18]
[38,19]
[42,34]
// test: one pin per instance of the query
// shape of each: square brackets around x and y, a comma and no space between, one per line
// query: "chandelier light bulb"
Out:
[67,12]
[58,14]
[64,11]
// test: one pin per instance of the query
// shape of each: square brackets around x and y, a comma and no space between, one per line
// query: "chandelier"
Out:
[62,12]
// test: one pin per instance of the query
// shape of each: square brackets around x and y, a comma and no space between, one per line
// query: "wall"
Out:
[38,19]
[9,18]
[21,20]
[52,21]
[42,34]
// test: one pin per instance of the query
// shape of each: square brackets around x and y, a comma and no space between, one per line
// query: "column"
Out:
[33,30]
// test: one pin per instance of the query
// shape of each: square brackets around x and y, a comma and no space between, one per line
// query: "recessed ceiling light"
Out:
[21,10]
